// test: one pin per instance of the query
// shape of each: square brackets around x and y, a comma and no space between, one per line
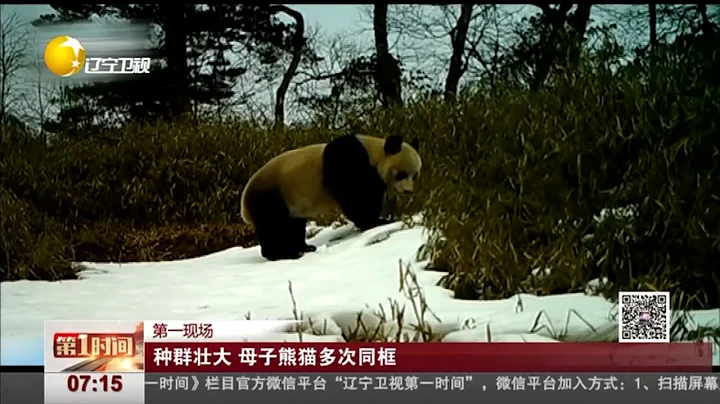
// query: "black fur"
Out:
[280,236]
[415,143]
[353,182]
[393,144]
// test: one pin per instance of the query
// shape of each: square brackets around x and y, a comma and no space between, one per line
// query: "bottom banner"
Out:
[60,388]
[387,388]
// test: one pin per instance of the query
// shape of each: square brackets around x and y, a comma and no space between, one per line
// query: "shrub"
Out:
[672,242]
[150,174]
[117,242]
[514,183]
[33,246]
[145,192]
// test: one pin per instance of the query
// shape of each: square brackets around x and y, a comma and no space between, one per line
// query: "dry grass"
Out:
[112,243]
[412,320]
[409,320]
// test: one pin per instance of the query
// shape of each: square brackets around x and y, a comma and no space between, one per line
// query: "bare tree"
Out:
[37,98]
[387,73]
[560,21]
[428,39]
[458,37]
[635,22]
[489,41]
[340,83]
[14,57]
[299,43]
[652,11]
[176,34]
[707,26]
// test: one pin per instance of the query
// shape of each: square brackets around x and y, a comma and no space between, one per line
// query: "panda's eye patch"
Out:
[415,176]
[400,176]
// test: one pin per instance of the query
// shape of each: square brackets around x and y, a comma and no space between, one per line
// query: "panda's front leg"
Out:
[308,248]
[385,220]
[360,198]
[365,212]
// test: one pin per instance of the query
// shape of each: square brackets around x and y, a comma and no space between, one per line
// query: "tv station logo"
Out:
[93,345]
[65,56]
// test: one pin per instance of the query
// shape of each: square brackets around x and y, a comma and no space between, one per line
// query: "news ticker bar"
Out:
[164,347]
[138,388]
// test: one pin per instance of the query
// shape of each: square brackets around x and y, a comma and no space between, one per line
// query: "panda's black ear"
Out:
[415,143]
[393,144]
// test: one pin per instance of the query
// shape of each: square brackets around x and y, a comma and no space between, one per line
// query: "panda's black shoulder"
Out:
[346,146]
[347,152]
[346,160]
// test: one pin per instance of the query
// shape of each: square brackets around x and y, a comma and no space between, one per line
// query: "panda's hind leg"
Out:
[274,245]
[281,237]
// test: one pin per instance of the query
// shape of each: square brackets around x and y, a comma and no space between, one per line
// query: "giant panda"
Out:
[348,175]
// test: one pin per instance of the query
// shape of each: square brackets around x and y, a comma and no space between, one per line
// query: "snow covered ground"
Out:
[351,272]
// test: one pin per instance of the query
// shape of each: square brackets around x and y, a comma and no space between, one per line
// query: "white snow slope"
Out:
[351,272]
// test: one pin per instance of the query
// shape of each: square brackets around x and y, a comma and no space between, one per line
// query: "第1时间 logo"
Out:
[89,345]
[65,56]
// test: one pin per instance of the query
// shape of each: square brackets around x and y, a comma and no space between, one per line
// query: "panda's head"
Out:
[401,164]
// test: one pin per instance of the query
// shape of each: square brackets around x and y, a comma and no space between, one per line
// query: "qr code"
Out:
[644,317]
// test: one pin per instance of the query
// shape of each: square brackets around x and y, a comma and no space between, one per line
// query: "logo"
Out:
[64,56]
[77,345]
[94,346]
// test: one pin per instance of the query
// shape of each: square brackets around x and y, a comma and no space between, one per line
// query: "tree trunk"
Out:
[177,59]
[298,47]
[707,27]
[458,36]
[579,20]
[387,72]
[652,12]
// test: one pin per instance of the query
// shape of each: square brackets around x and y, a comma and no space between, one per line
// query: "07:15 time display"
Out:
[103,383]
